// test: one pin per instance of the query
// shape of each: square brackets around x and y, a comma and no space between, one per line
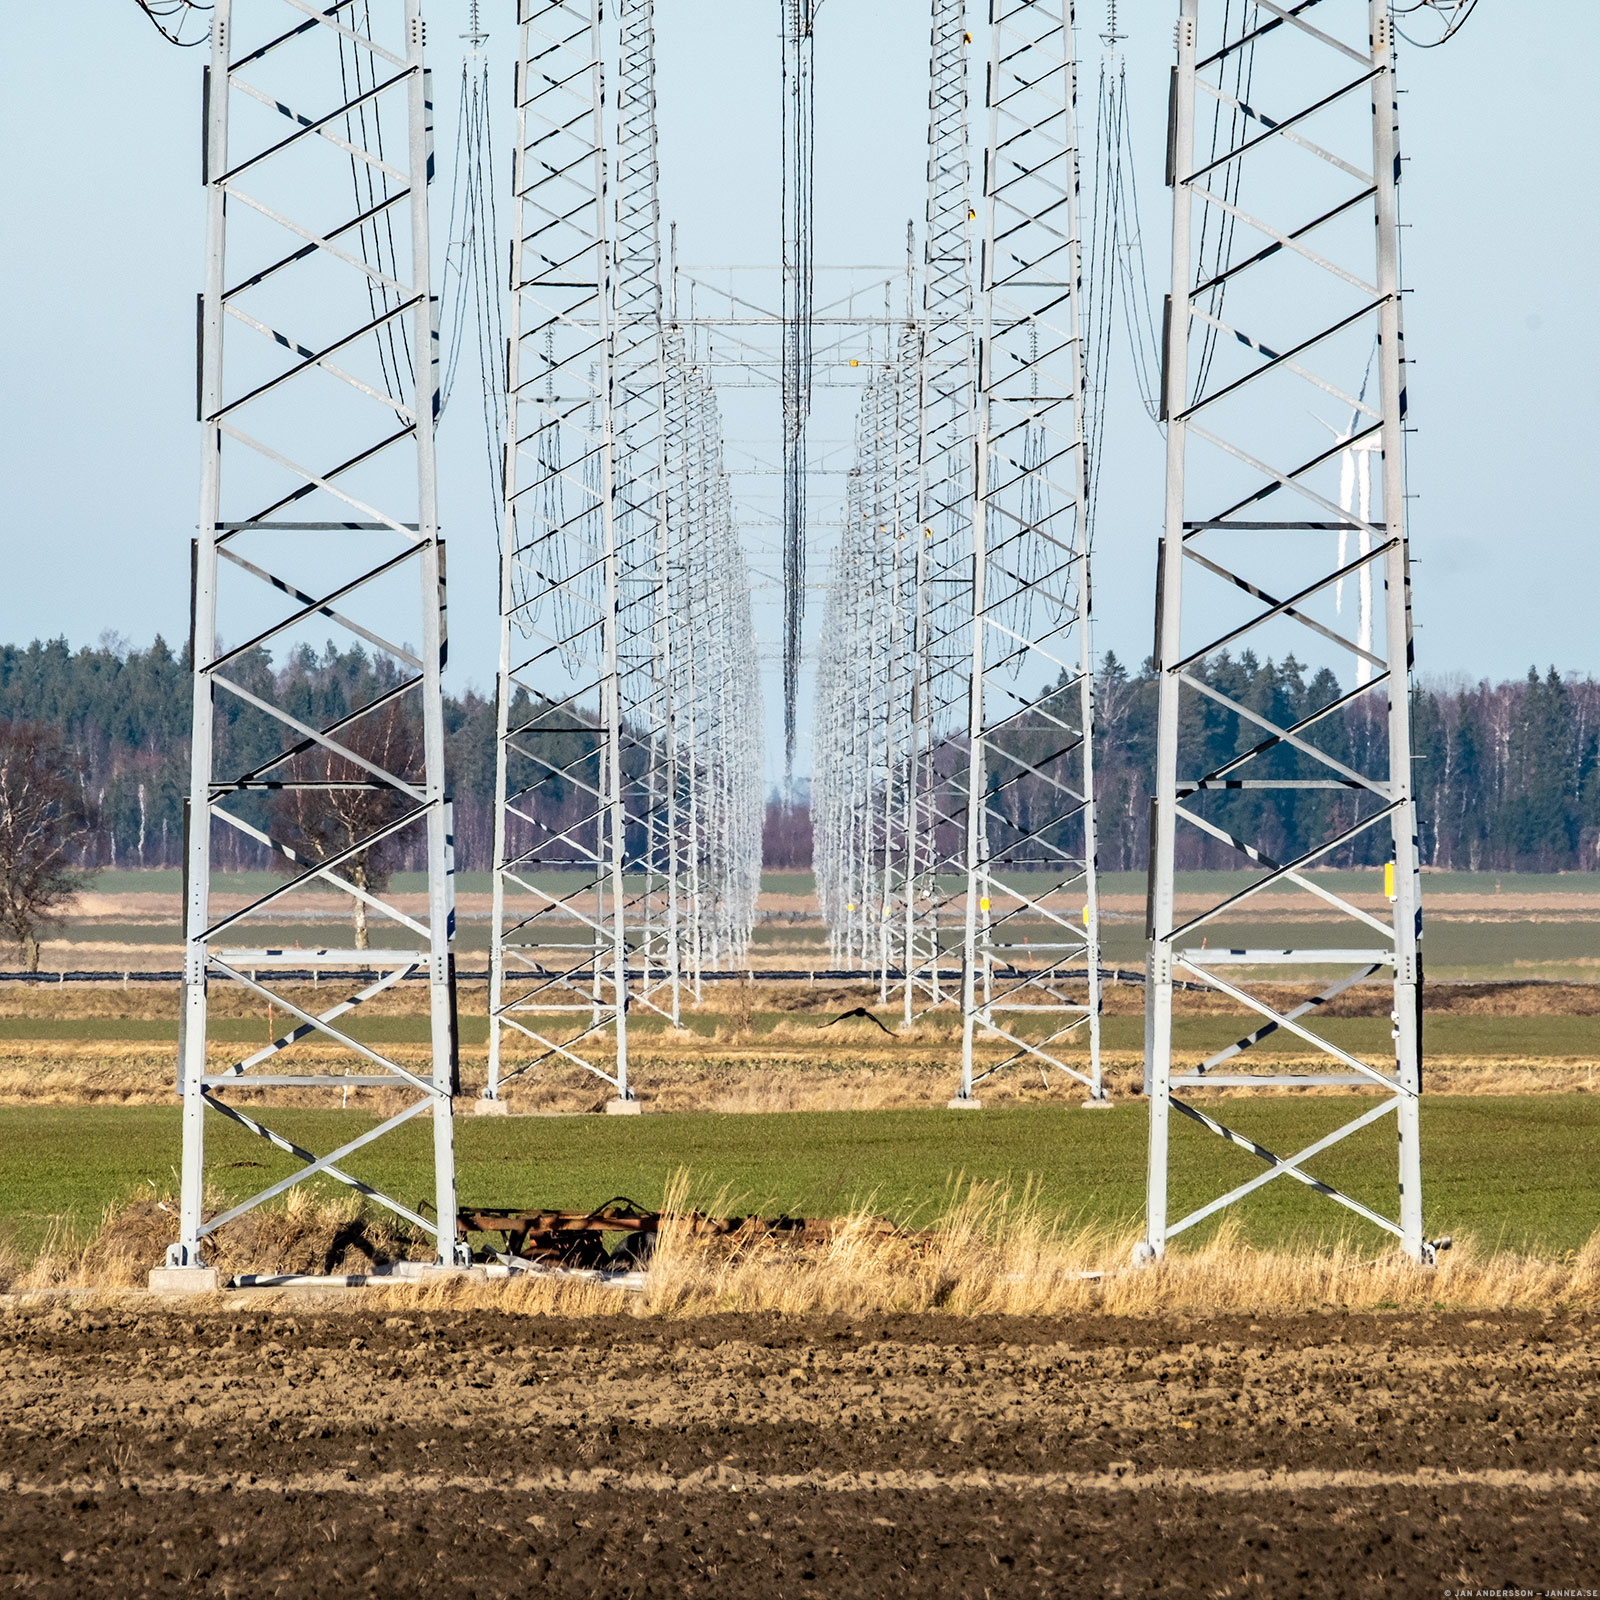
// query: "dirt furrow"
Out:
[298,1452]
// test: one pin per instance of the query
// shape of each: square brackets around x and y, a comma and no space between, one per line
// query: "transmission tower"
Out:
[719,736]
[1031,942]
[941,581]
[318,391]
[559,955]
[1283,163]
[628,824]
[865,674]
[646,632]
[799,94]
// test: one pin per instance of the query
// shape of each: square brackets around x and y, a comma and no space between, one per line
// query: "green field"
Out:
[1452,947]
[1517,1171]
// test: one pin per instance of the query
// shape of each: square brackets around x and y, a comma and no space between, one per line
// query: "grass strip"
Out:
[1516,1172]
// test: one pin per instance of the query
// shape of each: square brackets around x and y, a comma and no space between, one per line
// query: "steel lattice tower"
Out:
[627,850]
[559,957]
[1286,291]
[318,393]
[1031,931]
[645,631]
[716,686]
[865,677]
[940,631]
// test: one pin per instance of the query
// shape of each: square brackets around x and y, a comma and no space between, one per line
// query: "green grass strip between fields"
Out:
[1513,1170]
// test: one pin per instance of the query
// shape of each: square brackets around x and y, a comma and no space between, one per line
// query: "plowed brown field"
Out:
[318,1450]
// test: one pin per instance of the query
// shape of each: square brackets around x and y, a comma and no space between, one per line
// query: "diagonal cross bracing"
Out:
[1321,299]
[863,795]
[717,737]
[357,788]
[927,920]
[1029,836]
[562,944]
[627,821]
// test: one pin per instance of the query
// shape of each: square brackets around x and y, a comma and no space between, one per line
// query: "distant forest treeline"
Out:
[1508,775]
[125,714]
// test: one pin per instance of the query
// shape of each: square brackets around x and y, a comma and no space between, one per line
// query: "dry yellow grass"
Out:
[308,1233]
[699,1075]
[808,1004]
[996,1253]
[992,1252]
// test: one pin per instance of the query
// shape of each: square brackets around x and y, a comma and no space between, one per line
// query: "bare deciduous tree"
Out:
[333,803]
[43,813]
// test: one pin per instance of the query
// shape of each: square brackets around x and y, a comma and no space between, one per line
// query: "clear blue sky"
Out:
[100,260]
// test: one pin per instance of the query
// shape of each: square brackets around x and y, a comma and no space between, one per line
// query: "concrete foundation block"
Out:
[1102,1104]
[490,1108]
[433,1272]
[184,1280]
[965,1104]
[624,1108]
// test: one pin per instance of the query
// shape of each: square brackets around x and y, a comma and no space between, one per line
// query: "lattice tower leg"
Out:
[645,624]
[559,953]
[318,396]
[1285,274]
[1031,942]
[942,597]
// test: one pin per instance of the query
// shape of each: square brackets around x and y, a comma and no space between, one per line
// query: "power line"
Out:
[1455,13]
[1116,280]
[375,201]
[470,292]
[1216,241]
[159,11]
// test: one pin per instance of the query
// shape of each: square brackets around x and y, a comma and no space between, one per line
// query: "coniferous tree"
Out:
[1507,775]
